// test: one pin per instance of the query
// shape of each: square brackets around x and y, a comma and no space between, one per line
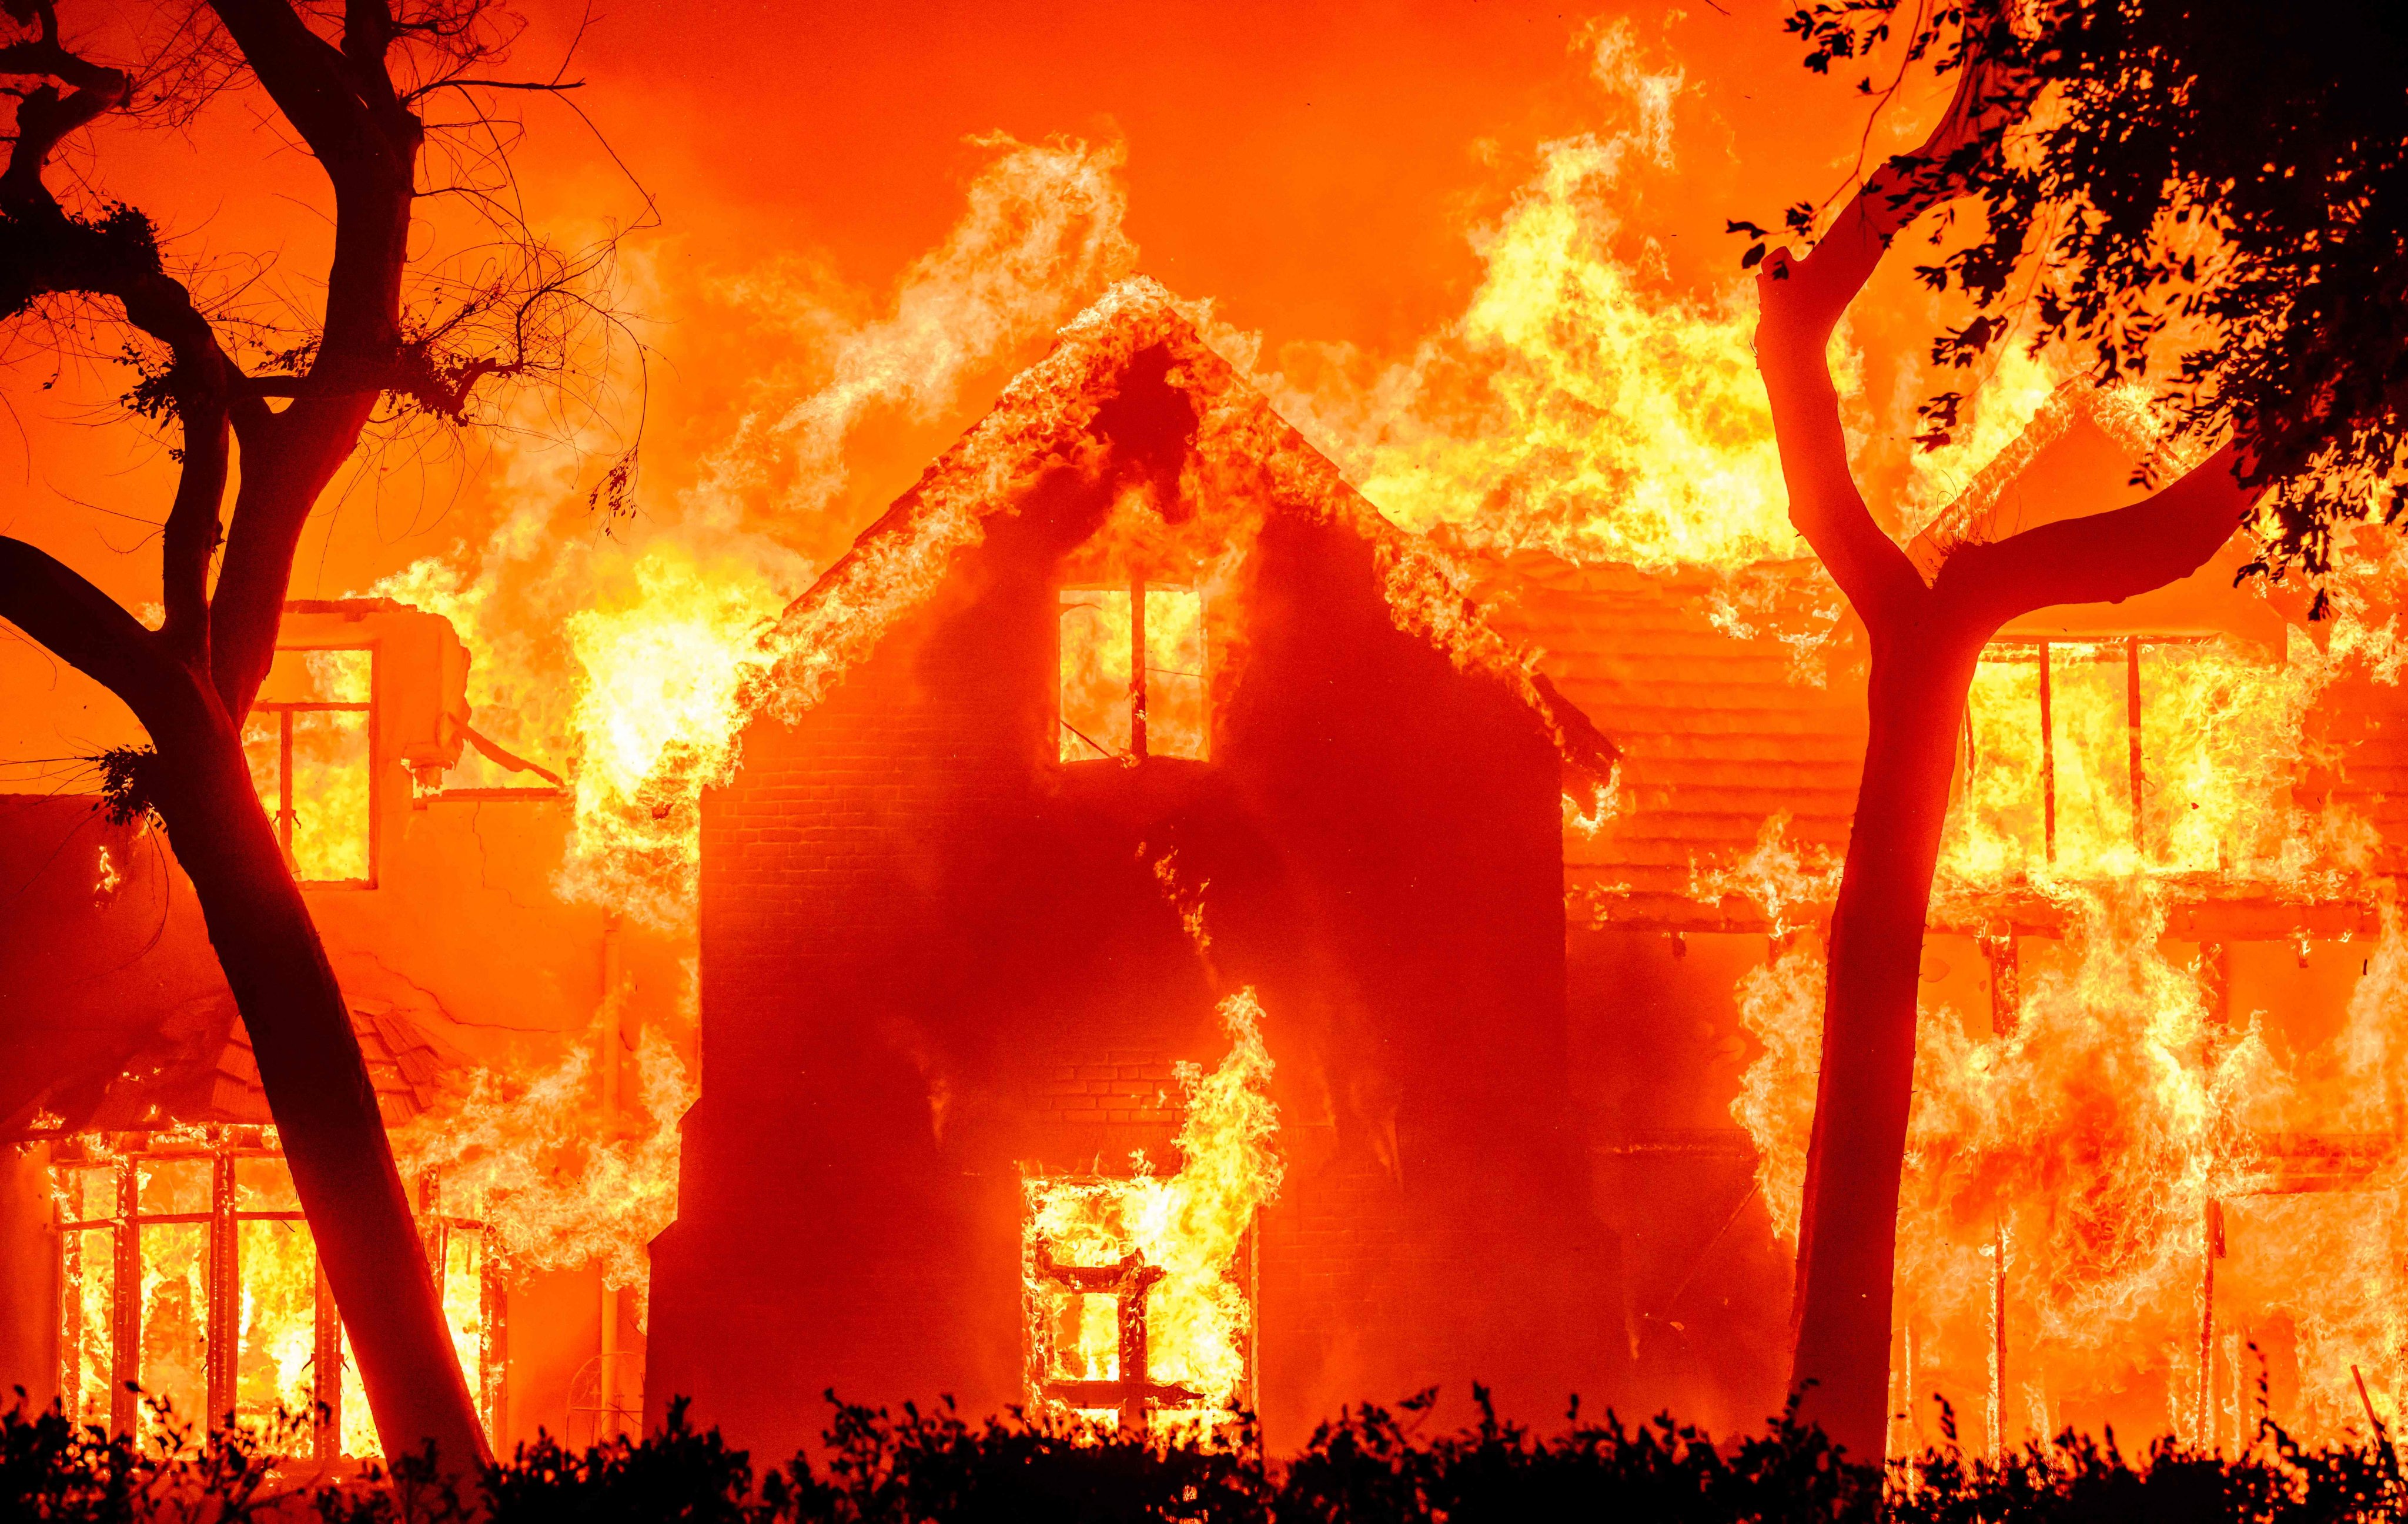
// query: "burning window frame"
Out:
[223,1149]
[1130,1398]
[2132,652]
[1073,745]
[285,812]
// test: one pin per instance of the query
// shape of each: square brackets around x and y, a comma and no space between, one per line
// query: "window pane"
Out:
[1996,832]
[464,1305]
[263,1184]
[175,1316]
[359,1438]
[91,1193]
[279,1320]
[1085,1335]
[2219,746]
[89,1276]
[2094,757]
[330,787]
[1174,672]
[173,1187]
[330,795]
[1095,673]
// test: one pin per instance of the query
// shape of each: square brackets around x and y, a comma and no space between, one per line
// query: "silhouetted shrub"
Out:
[1371,1465]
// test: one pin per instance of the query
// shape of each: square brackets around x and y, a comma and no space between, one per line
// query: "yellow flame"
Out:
[1191,1225]
[523,1157]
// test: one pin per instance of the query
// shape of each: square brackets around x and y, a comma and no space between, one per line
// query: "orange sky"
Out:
[1314,169]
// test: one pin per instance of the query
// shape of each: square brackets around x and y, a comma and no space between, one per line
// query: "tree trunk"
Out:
[319,1092]
[1848,1221]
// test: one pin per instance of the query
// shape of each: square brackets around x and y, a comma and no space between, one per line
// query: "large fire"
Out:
[2071,1148]
[2145,1183]
[1183,1238]
[2118,1180]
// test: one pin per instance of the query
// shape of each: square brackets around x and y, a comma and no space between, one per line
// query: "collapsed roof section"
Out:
[1048,416]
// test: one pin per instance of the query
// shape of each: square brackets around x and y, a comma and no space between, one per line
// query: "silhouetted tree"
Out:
[350,81]
[2202,198]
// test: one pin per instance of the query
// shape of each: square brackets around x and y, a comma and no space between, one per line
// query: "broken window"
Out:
[1131,1322]
[2084,754]
[1132,673]
[186,1268]
[309,739]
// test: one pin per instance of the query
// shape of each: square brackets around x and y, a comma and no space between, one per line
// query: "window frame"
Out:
[373,707]
[1137,753]
[1043,1279]
[122,1157]
[2103,649]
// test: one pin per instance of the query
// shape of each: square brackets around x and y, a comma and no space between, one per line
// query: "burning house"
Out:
[517,1045]
[2156,1153]
[1132,950]
[1170,940]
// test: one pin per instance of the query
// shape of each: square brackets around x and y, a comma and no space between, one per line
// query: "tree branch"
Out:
[68,616]
[1800,301]
[552,89]
[344,105]
[2105,557]
[193,527]
[306,75]
[44,117]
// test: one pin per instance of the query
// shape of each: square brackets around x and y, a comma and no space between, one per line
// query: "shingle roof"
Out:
[1717,734]
[1725,725]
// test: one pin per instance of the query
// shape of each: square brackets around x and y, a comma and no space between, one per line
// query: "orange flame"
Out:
[1191,1225]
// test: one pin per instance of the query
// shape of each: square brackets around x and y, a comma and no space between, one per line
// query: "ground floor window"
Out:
[186,1269]
[1139,1313]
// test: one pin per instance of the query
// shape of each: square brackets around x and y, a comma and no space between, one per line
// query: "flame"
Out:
[661,673]
[520,1156]
[331,772]
[2094,1143]
[1191,1225]
[1577,406]
[639,660]
[1779,877]
[279,1317]
[2222,731]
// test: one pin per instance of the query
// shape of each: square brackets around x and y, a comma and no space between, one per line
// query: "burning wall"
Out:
[530,1053]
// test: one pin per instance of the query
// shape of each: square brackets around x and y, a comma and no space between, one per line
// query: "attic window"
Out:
[309,740]
[1133,673]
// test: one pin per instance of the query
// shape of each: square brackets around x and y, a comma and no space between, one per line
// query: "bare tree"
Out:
[1926,632]
[350,80]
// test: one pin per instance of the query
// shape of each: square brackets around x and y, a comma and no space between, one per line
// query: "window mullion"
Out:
[125,1353]
[223,1328]
[2132,734]
[2047,761]
[1137,668]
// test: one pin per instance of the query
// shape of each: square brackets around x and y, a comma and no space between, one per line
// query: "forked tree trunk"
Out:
[319,1092]
[1927,635]
[1848,1220]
